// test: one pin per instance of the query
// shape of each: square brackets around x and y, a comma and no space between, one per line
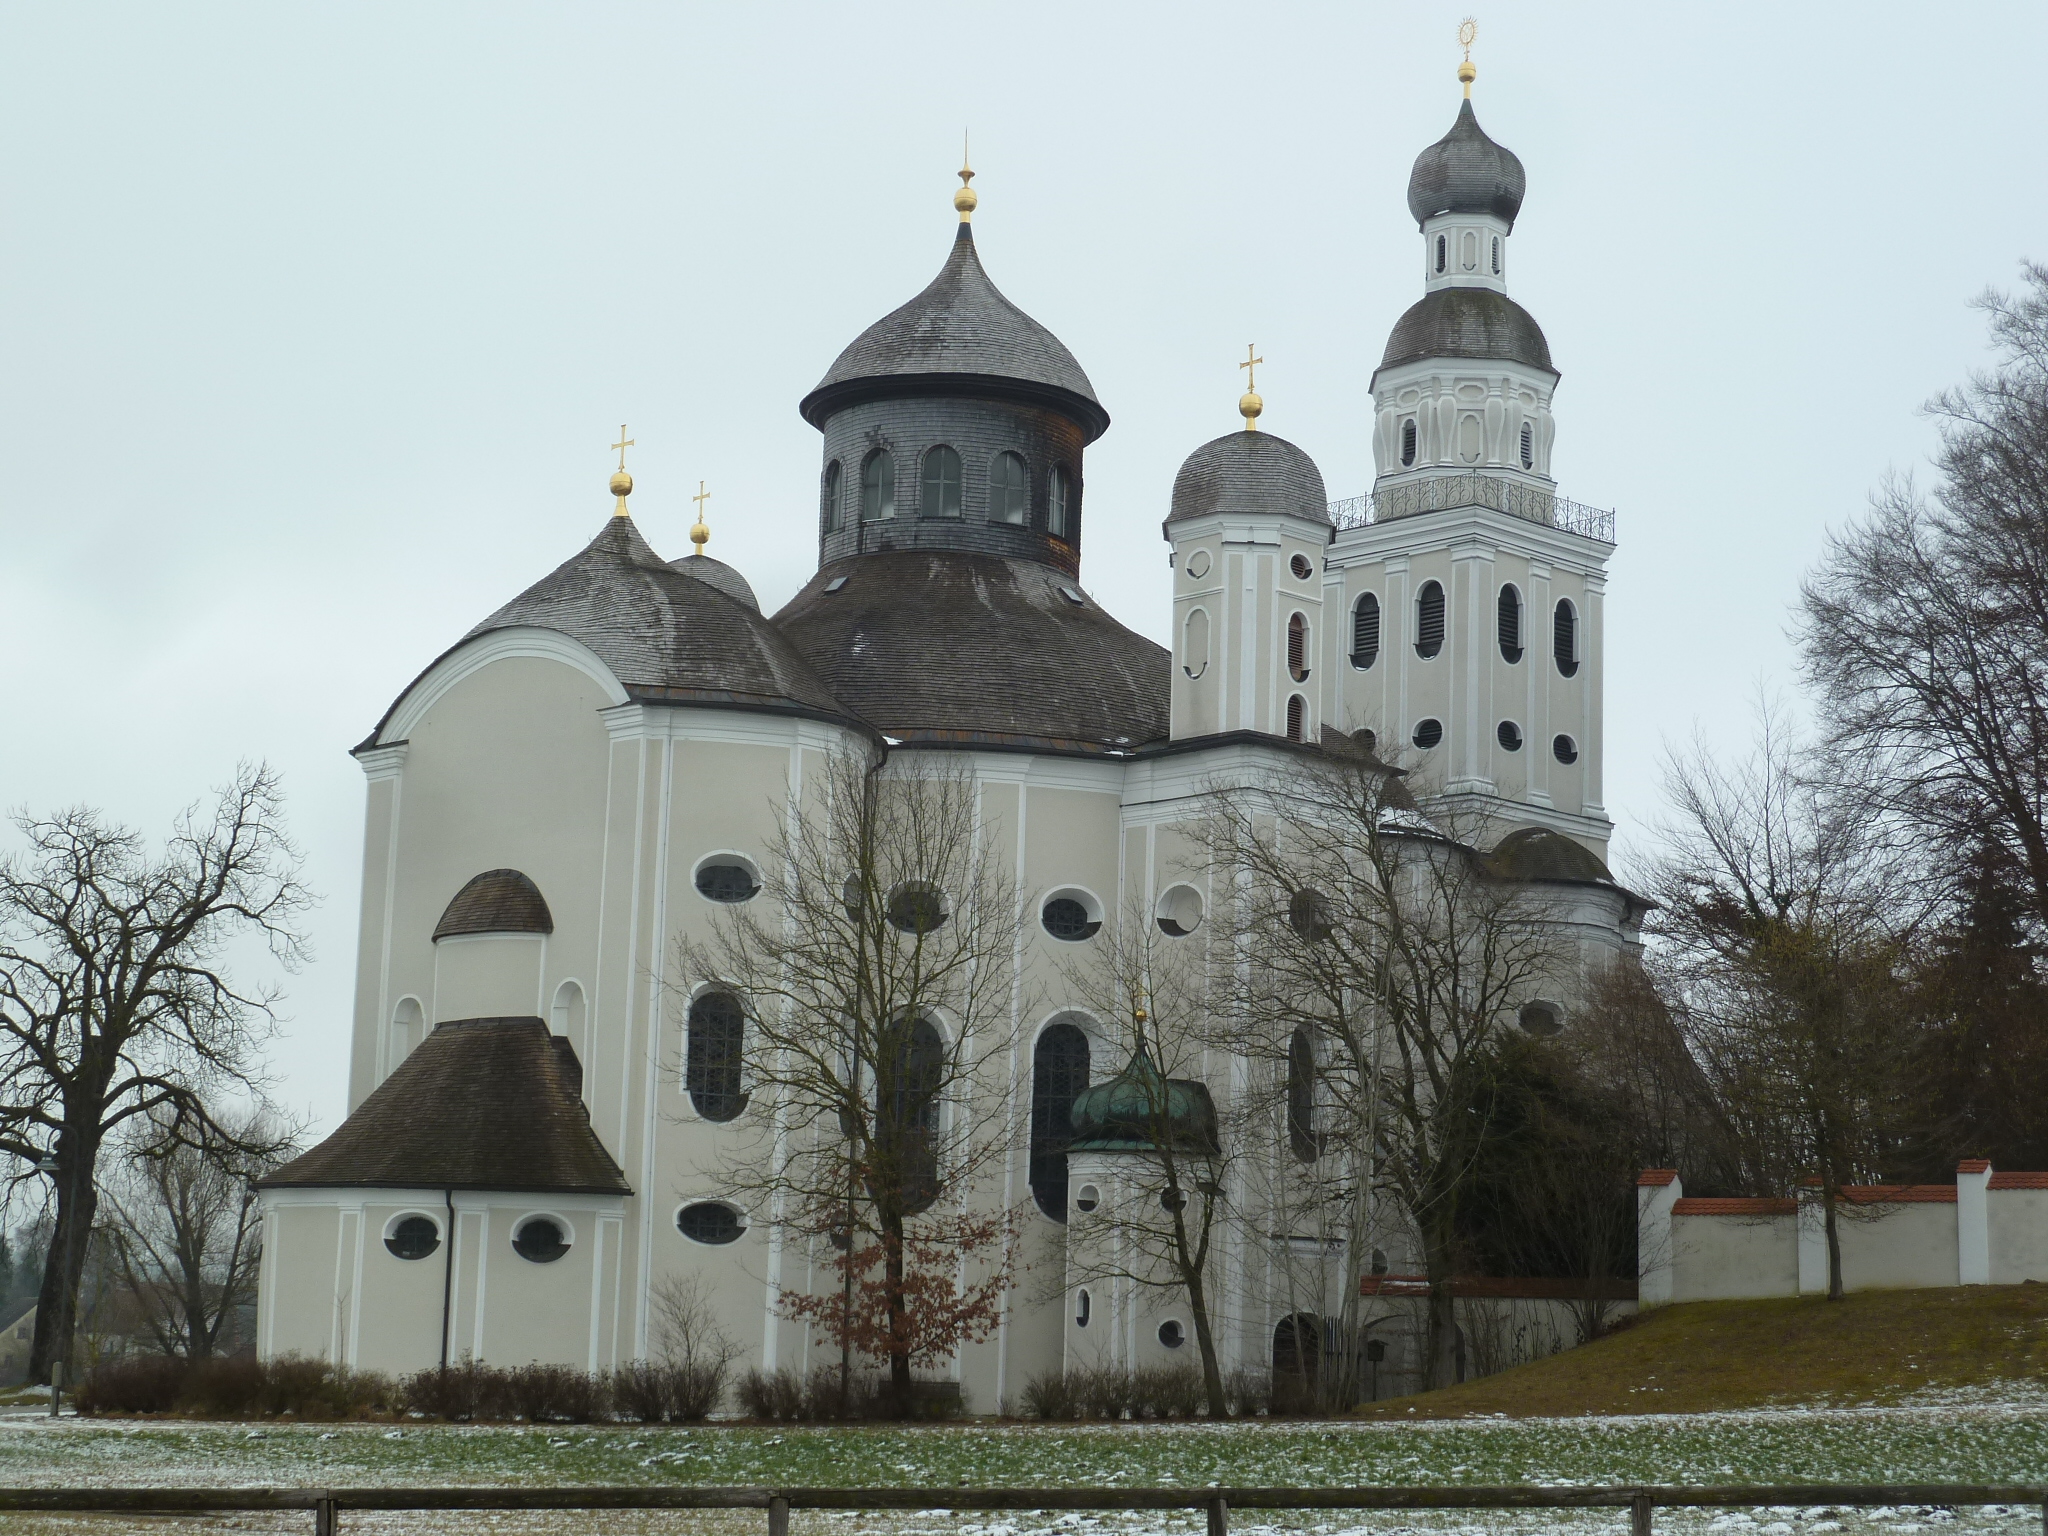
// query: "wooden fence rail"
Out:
[327,1504]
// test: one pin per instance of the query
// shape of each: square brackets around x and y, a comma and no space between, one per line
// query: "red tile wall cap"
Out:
[2019,1181]
[1899,1194]
[1974,1165]
[1740,1206]
[1656,1177]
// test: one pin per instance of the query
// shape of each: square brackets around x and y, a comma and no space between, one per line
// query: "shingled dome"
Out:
[1537,853]
[1249,473]
[719,575]
[482,1104]
[1139,1110]
[1466,172]
[959,336]
[941,645]
[496,901]
[1468,322]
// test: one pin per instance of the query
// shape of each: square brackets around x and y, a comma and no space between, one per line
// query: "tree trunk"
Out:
[57,1303]
[892,1290]
[1212,1371]
[1827,1205]
[1443,1312]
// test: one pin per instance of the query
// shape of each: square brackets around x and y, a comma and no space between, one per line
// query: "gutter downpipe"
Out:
[447,1274]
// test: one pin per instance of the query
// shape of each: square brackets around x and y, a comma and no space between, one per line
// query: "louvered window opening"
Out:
[1059,1071]
[1365,632]
[1564,638]
[1496,255]
[1428,733]
[1429,620]
[712,1056]
[1297,714]
[1510,625]
[1528,445]
[1297,648]
[1440,251]
[1407,443]
[941,483]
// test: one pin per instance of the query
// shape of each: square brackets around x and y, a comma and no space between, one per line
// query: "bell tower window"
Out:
[1440,250]
[1429,620]
[1510,624]
[1408,442]
[1496,255]
[1564,638]
[1365,632]
[1009,490]
[1297,711]
[1528,445]
[878,487]
[941,483]
[1297,648]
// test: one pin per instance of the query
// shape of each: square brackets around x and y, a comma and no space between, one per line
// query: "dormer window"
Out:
[1408,442]
[1009,490]
[878,487]
[941,483]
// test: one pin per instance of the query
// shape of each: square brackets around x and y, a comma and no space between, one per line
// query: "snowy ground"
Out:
[1963,1439]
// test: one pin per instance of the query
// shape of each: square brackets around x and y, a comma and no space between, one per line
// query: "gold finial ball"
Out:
[1138,1015]
[965,202]
[622,484]
[1467,72]
[699,536]
[1250,406]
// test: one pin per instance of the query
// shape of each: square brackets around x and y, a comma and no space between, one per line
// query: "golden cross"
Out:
[622,445]
[700,498]
[1250,367]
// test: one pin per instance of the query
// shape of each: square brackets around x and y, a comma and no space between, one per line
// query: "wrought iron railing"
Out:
[1440,493]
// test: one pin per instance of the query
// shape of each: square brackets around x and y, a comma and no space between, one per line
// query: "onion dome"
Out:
[1466,172]
[959,336]
[496,901]
[720,575]
[1537,853]
[944,645]
[1250,473]
[1468,322]
[1138,1110]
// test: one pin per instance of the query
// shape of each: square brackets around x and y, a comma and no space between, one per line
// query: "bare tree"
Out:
[875,979]
[1383,940]
[116,1000]
[1150,994]
[1786,914]
[185,1230]
[1925,628]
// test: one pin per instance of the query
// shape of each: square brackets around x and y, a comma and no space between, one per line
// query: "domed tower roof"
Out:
[1467,322]
[1139,1110]
[959,336]
[1466,172]
[720,575]
[1249,473]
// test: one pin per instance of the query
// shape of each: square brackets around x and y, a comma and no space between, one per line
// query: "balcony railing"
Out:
[1441,493]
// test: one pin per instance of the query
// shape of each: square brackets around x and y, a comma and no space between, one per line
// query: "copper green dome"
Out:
[1140,1111]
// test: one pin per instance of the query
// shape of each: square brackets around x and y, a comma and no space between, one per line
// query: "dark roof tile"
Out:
[496,901]
[1468,322]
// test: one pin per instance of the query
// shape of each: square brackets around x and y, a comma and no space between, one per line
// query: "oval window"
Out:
[1509,735]
[726,880]
[713,1056]
[1172,1334]
[1496,255]
[1066,916]
[1564,749]
[1301,568]
[917,908]
[540,1240]
[1081,1309]
[413,1237]
[1440,249]
[709,1221]
[1428,733]
[1429,620]
[1086,1199]
[1365,632]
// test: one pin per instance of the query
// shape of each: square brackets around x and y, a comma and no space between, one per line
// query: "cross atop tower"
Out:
[700,531]
[1249,405]
[622,444]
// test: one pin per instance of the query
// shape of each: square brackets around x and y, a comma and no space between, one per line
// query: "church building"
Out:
[579,784]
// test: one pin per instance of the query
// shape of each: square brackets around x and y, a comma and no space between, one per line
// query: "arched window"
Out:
[711,1059]
[1564,638]
[566,1016]
[1407,442]
[941,483]
[1440,249]
[1059,1071]
[1510,624]
[908,1081]
[1429,620]
[1059,505]
[1301,1097]
[1194,648]
[1496,255]
[408,1028]
[1528,445]
[878,487]
[831,506]
[1297,712]
[1365,632]
[1297,1351]
[1297,647]
[1009,490]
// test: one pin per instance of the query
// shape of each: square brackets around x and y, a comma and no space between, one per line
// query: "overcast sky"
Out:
[318,319]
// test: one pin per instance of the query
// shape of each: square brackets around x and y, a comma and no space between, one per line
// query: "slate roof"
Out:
[1468,322]
[1537,853]
[1466,172]
[1249,472]
[719,575]
[960,331]
[481,1104]
[940,645]
[496,901]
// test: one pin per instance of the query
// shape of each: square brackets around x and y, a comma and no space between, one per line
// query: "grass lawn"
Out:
[1872,1347]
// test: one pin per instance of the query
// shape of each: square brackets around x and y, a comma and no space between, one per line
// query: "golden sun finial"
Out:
[622,483]
[1468,33]
[1249,405]
[965,200]
[700,531]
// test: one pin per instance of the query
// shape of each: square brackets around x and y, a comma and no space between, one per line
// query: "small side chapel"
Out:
[591,772]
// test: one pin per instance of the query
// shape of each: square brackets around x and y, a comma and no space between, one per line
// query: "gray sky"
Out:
[320,317]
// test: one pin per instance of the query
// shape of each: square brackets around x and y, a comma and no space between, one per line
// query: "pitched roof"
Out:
[496,901]
[959,332]
[481,1104]
[946,646]
[1467,322]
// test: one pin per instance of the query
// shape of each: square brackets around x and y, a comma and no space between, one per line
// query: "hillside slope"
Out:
[1871,1347]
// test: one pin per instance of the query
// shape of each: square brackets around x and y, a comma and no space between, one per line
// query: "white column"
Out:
[1657,1191]
[1973,1222]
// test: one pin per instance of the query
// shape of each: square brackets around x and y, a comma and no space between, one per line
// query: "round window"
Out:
[413,1237]
[1509,735]
[1301,568]
[1173,1200]
[917,908]
[726,880]
[1172,1334]
[1428,733]
[1067,917]
[1564,749]
[1086,1198]
[708,1221]
[1198,564]
[1540,1018]
[1180,911]
[540,1239]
